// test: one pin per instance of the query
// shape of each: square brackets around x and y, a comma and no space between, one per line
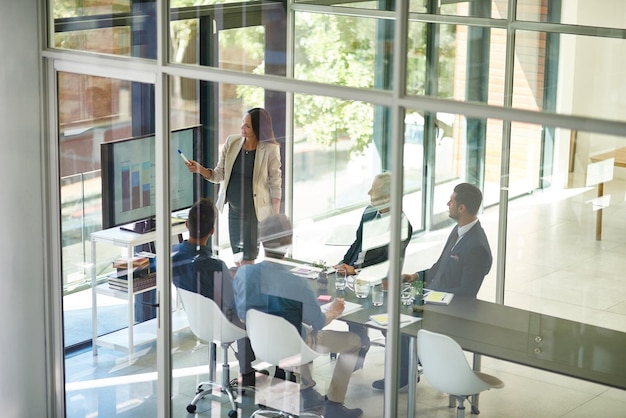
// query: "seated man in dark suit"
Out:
[464,262]
[357,257]
[195,269]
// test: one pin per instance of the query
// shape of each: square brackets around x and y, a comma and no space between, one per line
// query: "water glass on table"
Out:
[407,294]
[361,288]
[340,280]
[377,295]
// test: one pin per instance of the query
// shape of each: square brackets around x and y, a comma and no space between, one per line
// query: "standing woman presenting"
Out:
[249,166]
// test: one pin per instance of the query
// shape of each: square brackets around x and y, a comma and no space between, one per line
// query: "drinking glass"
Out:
[377,295]
[361,288]
[340,280]
[407,295]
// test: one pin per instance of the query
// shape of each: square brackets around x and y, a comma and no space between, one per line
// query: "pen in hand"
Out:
[185,159]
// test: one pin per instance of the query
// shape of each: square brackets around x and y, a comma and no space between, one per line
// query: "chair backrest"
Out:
[445,365]
[276,341]
[207,321]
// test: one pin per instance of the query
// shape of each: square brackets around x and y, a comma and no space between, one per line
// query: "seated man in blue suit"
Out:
[195,269]
[270,287]
[359,257]
[464,262]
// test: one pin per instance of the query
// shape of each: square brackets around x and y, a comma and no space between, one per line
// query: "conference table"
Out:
[545,342]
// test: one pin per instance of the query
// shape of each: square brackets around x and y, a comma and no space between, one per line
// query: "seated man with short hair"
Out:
[270,287]
[195,269]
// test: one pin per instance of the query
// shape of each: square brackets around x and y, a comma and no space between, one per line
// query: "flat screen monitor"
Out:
[129,178]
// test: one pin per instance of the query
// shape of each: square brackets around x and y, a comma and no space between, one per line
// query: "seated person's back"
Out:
[196,270]
[270,287]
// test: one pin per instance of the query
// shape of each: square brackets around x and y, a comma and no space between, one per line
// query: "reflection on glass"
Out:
[66,9]
[242,37]
[117,27]
[184,100]
[342,50]
[556,262]
[544,80]
[583,12]
[334,154]
[94,111]
[367,4]
[495,9]
[466,62]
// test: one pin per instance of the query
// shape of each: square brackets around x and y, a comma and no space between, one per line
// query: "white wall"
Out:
[22,343]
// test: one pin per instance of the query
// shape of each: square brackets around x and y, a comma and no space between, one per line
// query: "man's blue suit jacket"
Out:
[469,263]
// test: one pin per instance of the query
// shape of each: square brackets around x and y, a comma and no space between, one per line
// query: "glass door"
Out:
[108,204]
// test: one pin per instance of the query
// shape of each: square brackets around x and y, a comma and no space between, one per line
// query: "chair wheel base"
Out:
[191,408]
[232,414]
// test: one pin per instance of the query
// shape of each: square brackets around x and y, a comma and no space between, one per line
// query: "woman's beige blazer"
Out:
[266,178]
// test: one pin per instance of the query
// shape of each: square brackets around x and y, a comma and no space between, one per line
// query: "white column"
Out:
[24,388]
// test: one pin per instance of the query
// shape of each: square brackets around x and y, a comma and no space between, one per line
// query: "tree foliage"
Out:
[329,49]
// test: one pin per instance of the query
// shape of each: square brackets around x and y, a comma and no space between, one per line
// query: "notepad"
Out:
[348,308]
[383,319]
[438,298]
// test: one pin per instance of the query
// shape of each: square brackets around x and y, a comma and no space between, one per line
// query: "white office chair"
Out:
[447,369]
[209,324]
[274,340]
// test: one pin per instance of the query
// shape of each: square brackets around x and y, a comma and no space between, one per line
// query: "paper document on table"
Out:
[438,298]
[374,274]
[383,319]
[349,307]
[306,270]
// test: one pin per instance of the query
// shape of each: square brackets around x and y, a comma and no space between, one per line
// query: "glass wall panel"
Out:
[564,252]
[544,80]
[343,50]
[564,240]
[65,8]
[465,150]
[185,106]
[527,147]
[366,4]
[584,12]
[92,110]
[494,9]
[240,37]
[219,109]
[492,161]
[107,180]
[456,62]
[118,27]
[334,154]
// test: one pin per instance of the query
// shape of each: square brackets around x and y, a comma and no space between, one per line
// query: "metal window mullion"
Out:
[163,231]
[392,352]
[505,157]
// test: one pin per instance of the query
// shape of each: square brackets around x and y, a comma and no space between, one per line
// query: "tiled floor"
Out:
[554,265]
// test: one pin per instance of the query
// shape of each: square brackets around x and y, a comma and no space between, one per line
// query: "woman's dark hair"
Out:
[261,124]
